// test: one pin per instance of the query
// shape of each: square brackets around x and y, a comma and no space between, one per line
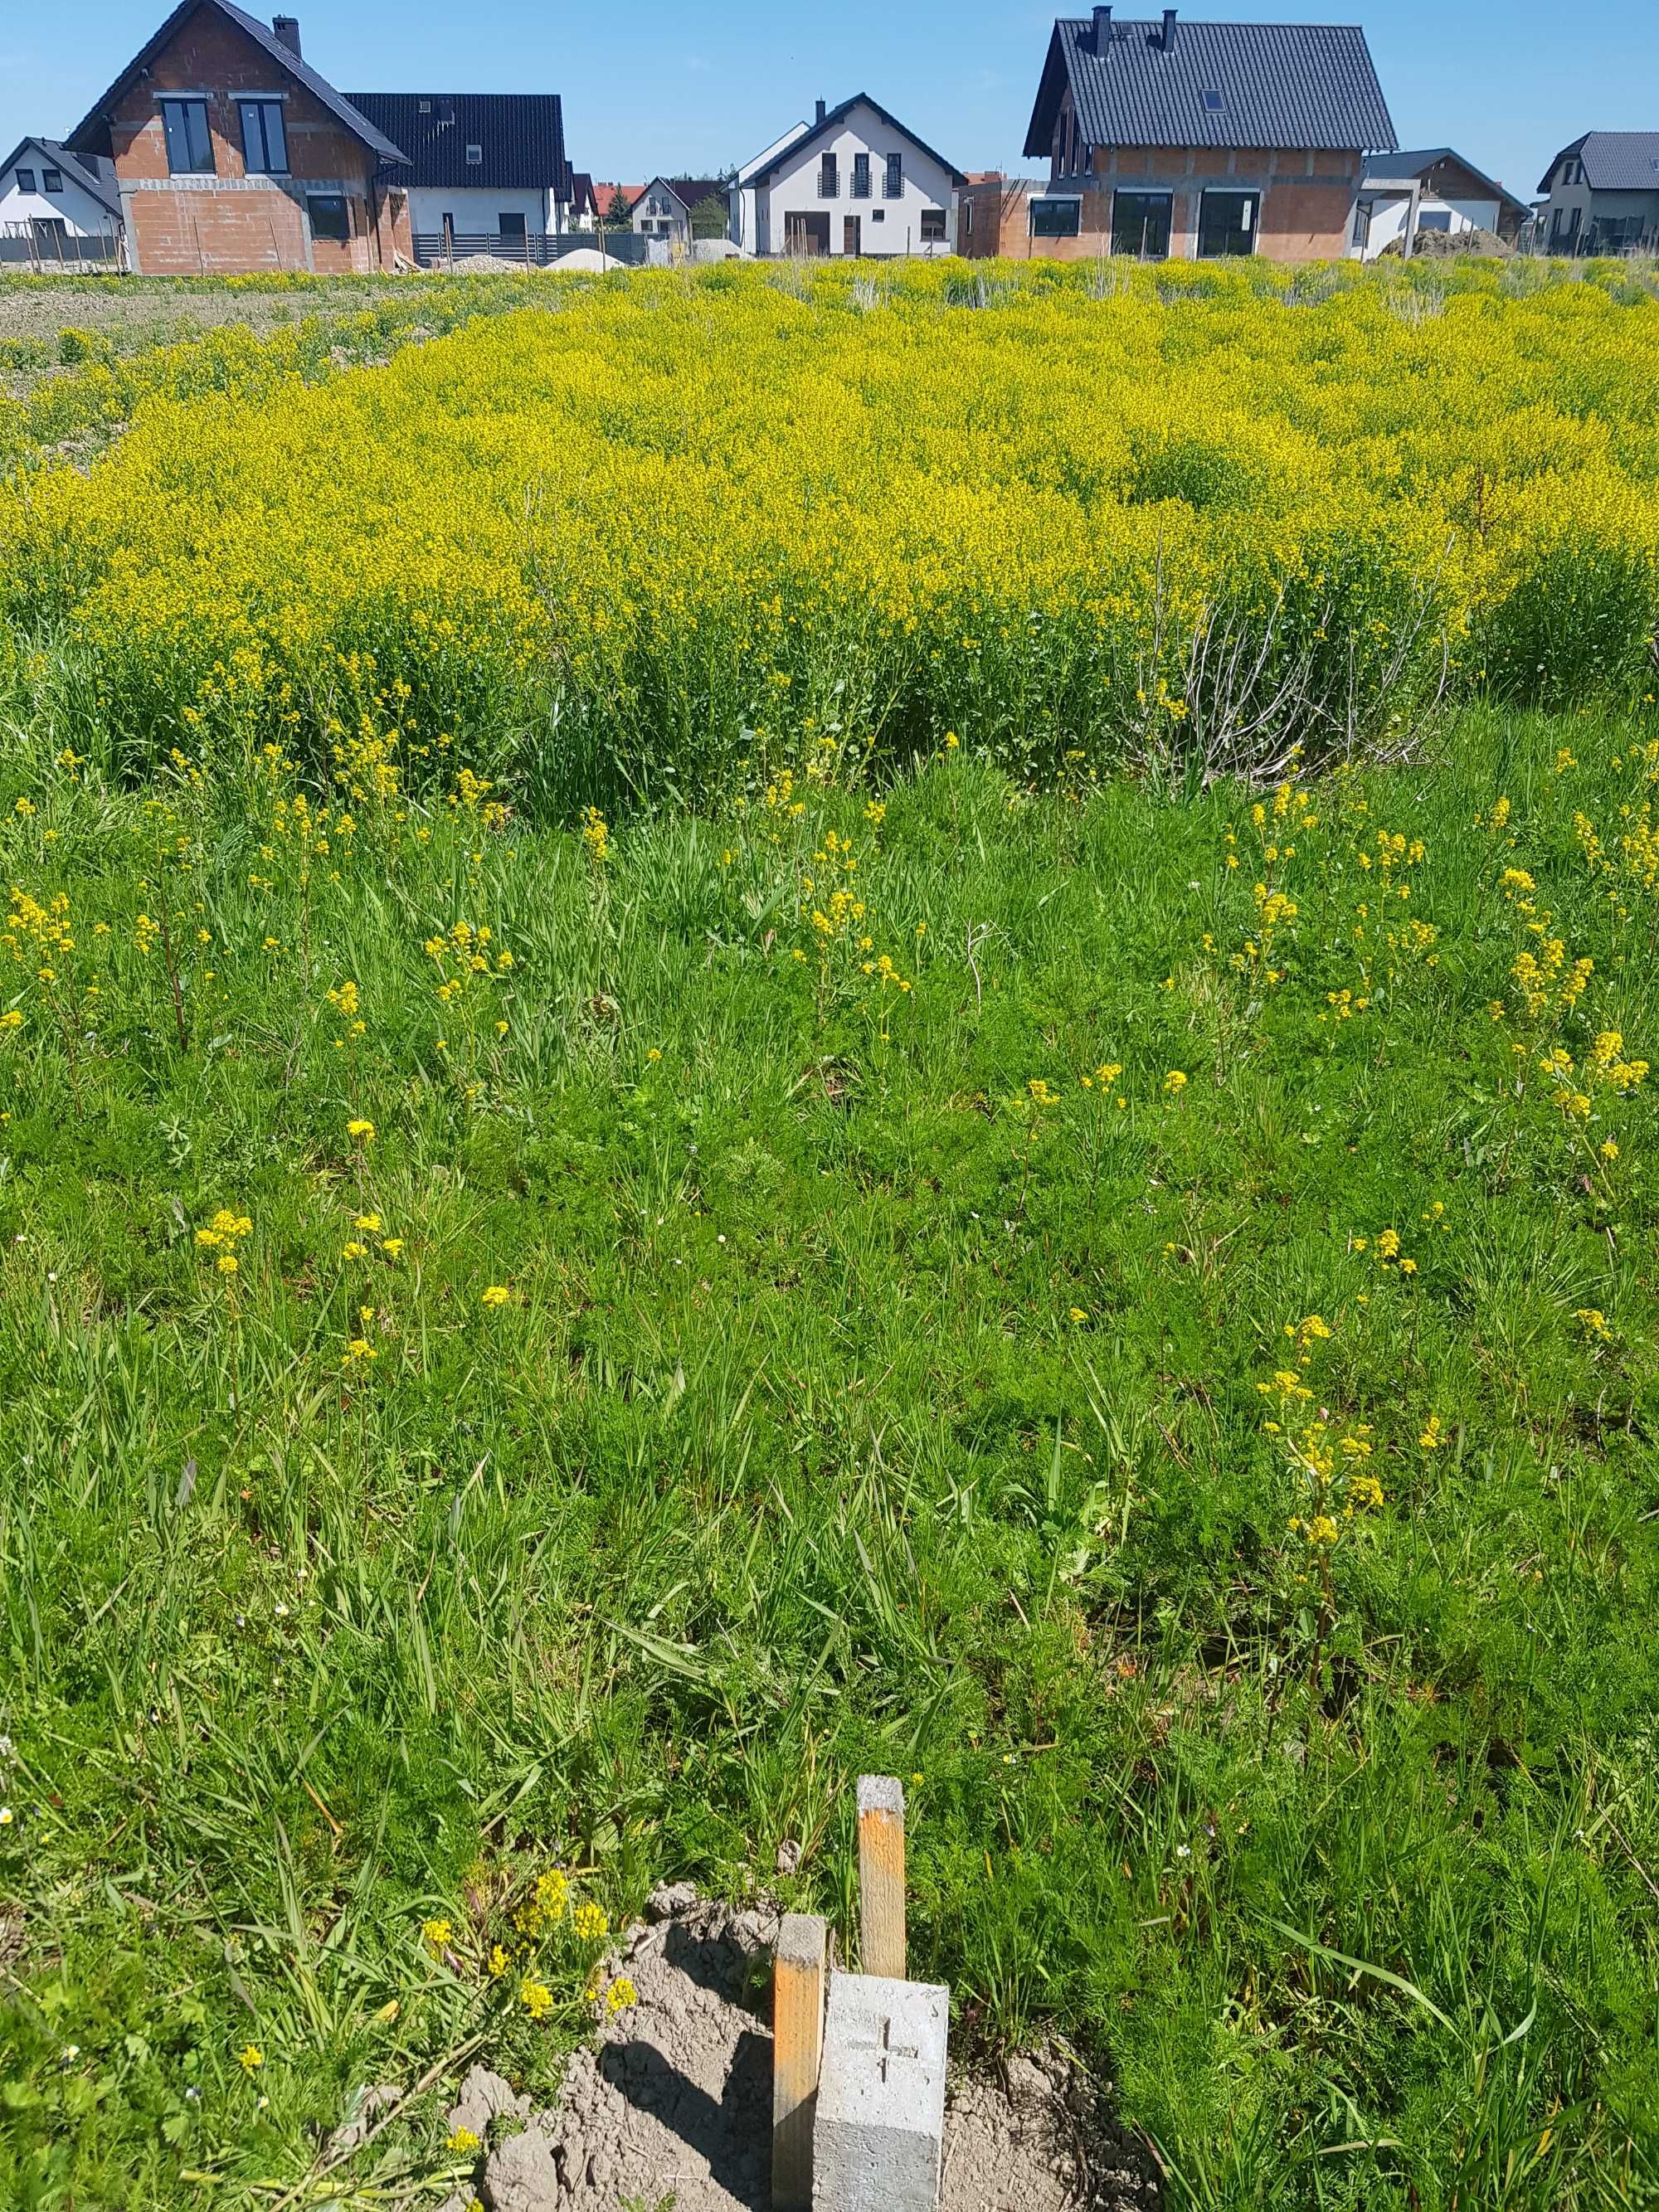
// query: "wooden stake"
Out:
[797,1993]
[881,1876]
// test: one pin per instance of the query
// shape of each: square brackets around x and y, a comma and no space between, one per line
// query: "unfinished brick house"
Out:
[233,155]
[1166,139]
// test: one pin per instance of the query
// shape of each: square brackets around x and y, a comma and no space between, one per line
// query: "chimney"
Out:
[1103,30]
[287,28]
[1169,30]
[822,112]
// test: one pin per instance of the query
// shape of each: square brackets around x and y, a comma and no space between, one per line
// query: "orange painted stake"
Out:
[798,1974]
[881,1876]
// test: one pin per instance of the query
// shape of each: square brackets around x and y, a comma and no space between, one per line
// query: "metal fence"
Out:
[45,248]
[533,249]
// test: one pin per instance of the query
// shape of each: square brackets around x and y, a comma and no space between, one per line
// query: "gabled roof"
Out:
[582,201]
[1402,170]
[689,191]
[788,148]
[1298,86]
[521,135]
[95,174]
[1614,160]
[91,134]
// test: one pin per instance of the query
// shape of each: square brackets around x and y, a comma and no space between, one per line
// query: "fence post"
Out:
[798,1990]
[881,1876]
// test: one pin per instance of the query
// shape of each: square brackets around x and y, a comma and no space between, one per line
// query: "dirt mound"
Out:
[676,2097]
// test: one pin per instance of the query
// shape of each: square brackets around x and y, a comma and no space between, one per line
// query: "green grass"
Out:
[850,1409]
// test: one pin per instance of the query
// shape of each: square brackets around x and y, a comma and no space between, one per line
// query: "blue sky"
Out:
[676,90]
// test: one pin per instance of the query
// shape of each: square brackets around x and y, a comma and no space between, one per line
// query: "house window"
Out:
[264,140]
[1434,219]
[189,149]
[1212,103]
[330,217]
[967,223]
[933,226]
[51,180]
[860,176]
[25,181]
[475,157]
[878,215]
[893,187]
[1141,224]
[829,178]
[508,225]
[1056,218]
[1362,222]
[1226,224]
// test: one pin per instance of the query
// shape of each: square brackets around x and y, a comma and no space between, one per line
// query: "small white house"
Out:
[1407,195]
[854,181]
[51,198]
[663,208]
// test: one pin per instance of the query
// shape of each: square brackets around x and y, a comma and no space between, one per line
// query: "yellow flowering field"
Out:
[678,532]
[784,1024]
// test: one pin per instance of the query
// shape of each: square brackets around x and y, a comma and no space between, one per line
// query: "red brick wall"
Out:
[230,223]
[1305,213]
[1310,218]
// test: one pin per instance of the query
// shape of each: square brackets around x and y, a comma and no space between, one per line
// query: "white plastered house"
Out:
[854,181]
[1436,190]
[49,196]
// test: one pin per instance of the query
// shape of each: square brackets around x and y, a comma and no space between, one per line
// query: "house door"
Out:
[805,234]
[851,234]
[1226,224]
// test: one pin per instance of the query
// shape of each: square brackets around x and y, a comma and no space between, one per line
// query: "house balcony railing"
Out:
[829,184]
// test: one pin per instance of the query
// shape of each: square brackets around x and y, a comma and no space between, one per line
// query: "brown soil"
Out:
[674,2100]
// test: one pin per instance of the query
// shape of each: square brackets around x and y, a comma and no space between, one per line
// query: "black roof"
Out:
[521,135]
[95,173]
[91,134]
[689,191]
[1614,160]
[1400,168]
[834,118]
[1299,86]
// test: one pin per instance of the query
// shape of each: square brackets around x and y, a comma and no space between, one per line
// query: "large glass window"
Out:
[860,176]
[265,139]
[893,186]
[1141,224]
[1226,223]
[189,149]
[1056,218]
[25,181]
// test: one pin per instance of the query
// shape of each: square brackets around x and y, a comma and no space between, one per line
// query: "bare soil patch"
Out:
[674,2101]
